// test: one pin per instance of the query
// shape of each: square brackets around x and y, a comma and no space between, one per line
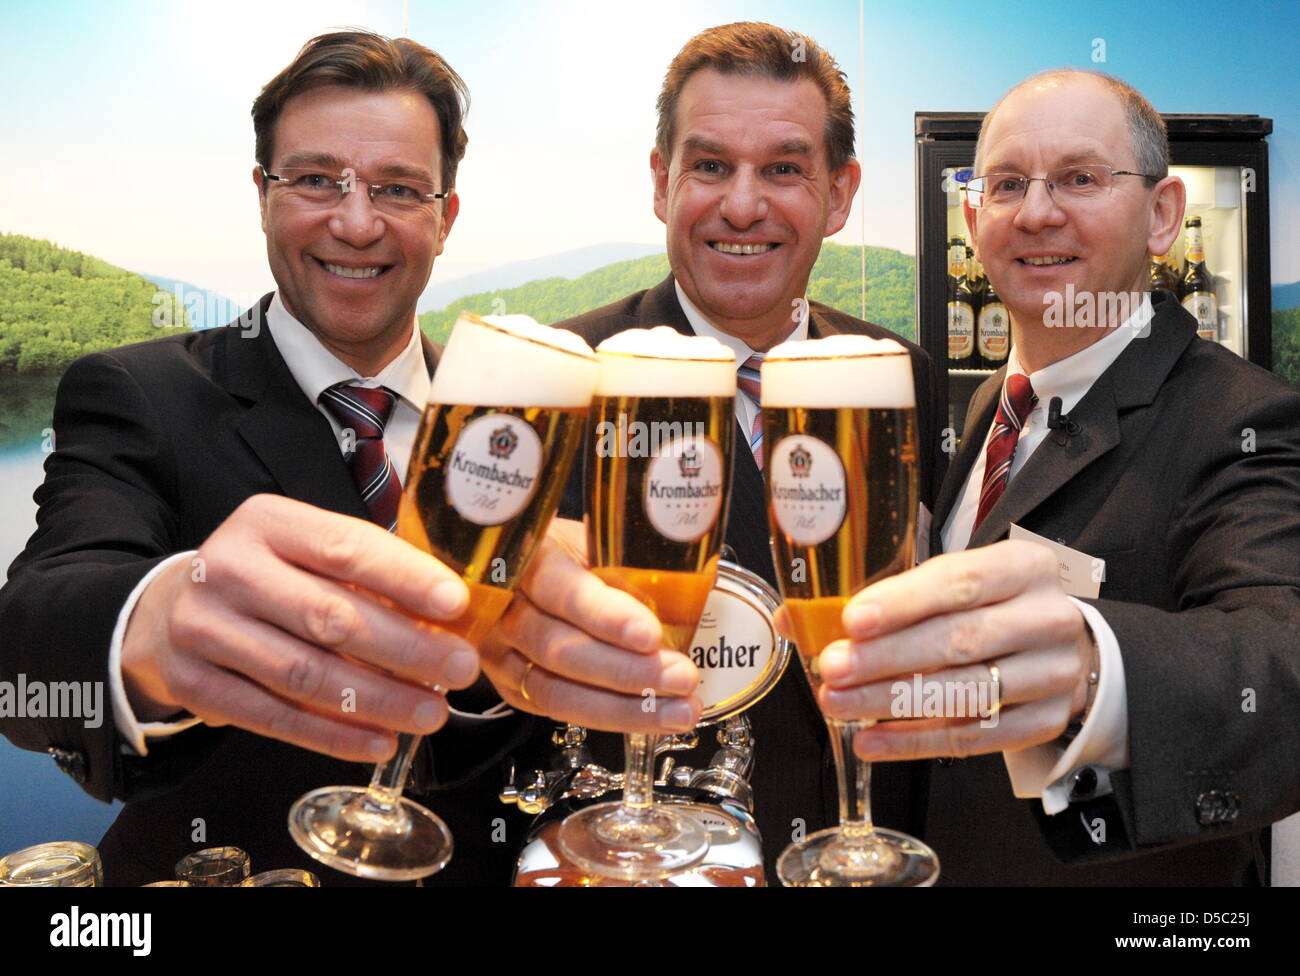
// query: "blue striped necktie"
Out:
[750,384]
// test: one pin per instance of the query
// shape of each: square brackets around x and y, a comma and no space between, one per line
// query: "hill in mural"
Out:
[835,281]
[57,304]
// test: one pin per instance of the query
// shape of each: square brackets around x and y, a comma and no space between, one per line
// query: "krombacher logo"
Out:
[799,493]
[658,489]
[503,442]
[800,463]
[490,472]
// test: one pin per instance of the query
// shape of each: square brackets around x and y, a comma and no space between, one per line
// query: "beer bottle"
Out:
[979,284]
[1198,284]
[1164,274]
[994,329]
[961,309]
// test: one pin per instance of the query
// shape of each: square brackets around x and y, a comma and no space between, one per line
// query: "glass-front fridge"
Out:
[1218,267]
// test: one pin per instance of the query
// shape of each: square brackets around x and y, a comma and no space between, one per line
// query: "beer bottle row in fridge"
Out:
[1193,284]
[979,328]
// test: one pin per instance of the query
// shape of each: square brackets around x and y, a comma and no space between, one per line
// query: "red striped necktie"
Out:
[750,384]
[365,411]
[1013,407]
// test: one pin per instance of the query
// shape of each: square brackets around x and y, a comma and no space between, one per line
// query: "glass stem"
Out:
[854,778]
[639,774]
[389,780]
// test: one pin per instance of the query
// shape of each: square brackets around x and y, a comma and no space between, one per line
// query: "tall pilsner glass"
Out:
[494,450]
[658,455]
[839,445]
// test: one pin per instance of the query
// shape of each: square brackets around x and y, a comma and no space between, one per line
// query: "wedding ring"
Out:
[523,680]
[995,678]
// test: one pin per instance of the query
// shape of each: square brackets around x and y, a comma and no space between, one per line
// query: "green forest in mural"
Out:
[56,305]
[835,281]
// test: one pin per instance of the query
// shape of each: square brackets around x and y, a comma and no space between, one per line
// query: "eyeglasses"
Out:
[323,189]
[1069,184]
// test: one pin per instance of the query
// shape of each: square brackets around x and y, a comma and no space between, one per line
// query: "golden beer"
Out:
[840,461]
[658,480]
[490,558]
[657,504]
[496,442]
[876,515]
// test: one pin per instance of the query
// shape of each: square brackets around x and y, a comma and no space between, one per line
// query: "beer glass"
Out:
[658,457]
[489,464]
[840,458]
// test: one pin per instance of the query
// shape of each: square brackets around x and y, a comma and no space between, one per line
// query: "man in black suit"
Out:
[1155,715]
[753,166]
[203,546]
[1153,724]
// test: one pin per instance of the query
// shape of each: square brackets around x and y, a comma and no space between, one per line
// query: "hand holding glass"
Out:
[493,453]
[839,442]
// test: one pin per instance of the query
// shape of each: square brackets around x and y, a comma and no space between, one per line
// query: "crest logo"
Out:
[690,463]
[800,463]
[503,442]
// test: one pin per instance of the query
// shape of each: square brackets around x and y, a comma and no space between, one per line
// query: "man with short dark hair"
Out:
[212,544]
[753,167]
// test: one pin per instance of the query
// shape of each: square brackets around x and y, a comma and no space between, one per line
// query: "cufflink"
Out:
[1084,785]
[1217,807]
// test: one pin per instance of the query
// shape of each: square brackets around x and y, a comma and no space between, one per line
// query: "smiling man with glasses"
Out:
[214,542]
[1129,709]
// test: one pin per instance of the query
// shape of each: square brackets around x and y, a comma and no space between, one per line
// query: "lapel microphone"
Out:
[1060,421]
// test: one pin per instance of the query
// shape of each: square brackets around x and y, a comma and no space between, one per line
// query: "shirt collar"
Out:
[703,327]
[1072,377]
[316,369]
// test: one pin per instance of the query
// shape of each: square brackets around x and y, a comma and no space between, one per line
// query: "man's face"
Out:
[350,272]
[748,197]
[1099,246]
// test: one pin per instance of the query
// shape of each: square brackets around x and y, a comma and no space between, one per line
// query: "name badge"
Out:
[1081,574]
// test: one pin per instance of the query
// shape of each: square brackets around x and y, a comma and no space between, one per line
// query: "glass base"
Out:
[357,832]
[605,840]
[886,858]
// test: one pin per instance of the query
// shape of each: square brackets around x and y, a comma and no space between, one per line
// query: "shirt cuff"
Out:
[1045,771]
[499,710]
[133,731]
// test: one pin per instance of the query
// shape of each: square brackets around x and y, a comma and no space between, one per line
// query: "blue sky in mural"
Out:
[144,106]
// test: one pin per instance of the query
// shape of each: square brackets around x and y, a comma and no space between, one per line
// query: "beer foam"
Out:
[664,362]
[838,371]
[512,361]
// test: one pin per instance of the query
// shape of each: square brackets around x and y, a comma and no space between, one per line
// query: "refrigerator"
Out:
[1222,159]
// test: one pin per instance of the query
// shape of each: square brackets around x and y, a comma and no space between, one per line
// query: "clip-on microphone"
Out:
[1060,421]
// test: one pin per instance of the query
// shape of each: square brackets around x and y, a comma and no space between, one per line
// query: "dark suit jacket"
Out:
[1185,477]
[157,444]
[794,776]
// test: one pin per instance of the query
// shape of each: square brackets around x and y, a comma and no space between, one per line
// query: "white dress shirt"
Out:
[745,407]
[1046,770]
[315,369]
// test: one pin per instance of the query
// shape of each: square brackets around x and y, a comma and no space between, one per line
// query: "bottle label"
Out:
[683,488]
[1204,307]
[1195,246]
[994,331]
[961,330]
[493,469]
[956,261]
[808,489]
[733,646]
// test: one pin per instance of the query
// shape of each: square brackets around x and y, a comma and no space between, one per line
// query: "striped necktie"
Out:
[1013,407]
[747,379]
[365,411]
